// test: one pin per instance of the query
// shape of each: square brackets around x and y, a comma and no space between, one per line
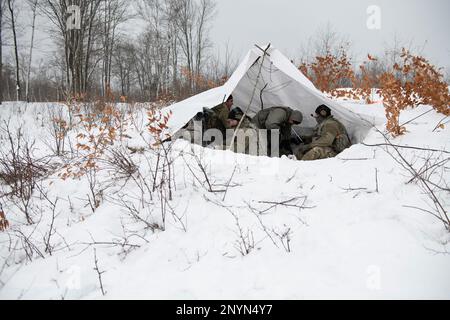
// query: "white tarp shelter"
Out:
[280,84]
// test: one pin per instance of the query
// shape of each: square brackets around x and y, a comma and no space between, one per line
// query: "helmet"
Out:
[323,111]
[297,116]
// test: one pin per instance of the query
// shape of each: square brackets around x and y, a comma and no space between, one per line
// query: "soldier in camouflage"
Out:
[330,137]
[220,120]
[214,118]
[236,115]
[282,119]
[246,138]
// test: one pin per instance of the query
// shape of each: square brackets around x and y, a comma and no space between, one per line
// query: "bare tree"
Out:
[326,40]
[114,13]
[206,12]
[11,4]
[92,56]
[221,66]
[1,52]
[122,68]
[191,19]
[183,15]
[33,6]
[77,42]
[159,49]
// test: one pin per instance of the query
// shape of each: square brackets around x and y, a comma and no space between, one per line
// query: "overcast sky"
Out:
[289,23]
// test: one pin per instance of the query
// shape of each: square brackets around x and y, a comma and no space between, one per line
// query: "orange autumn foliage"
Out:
[4,224]
[410,84]
[157,125]
[362,87]
[413,82]
[200,81]
[329,72]
[98,130]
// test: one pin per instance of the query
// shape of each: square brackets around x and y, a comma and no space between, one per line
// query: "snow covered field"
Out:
[335,228]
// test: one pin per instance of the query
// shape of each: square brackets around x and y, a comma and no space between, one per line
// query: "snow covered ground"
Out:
[346,228]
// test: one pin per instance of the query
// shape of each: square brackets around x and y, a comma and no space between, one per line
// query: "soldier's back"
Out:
[342,140]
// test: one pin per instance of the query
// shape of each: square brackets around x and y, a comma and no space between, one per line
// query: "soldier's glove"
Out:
[292,157]
[303,148]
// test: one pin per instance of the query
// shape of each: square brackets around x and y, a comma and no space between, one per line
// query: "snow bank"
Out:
[348,239]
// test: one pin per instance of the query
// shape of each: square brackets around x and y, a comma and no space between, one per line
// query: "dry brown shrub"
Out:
[330,72]
[200,81]
[413,82]
[99,129]
[157,125]
[362,87]
[4,223]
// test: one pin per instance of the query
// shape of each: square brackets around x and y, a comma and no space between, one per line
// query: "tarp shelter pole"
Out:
[253,94]
[295,132]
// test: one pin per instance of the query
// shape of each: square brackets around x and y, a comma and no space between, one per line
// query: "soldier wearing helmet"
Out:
[329,138]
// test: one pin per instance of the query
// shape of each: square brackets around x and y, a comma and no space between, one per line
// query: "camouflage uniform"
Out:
[330,138]
[276,118]
[237,114]
[214,118]
[221,113]
[246,135]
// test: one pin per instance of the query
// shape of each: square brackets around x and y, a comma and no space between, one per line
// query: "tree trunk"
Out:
[27,85]
[13,25]
[92,12]
[1,54]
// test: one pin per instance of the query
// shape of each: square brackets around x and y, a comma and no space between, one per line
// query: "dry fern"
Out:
[4,224]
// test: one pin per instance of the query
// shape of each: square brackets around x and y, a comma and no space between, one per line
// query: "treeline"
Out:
[96,53]
[147,50]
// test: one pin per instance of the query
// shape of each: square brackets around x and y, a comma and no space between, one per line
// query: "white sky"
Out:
[289,23]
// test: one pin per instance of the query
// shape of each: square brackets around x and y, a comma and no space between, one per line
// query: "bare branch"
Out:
[99,273]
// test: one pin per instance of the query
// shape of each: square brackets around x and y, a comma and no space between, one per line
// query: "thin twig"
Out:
[420,115]
[228,183]
[353,159]
[439,123]
[404,147]
[99,273]
[376,180]
[426,211]
[353,189]
[441,212]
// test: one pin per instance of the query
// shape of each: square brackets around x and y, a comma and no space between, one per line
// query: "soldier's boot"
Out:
[317,153]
